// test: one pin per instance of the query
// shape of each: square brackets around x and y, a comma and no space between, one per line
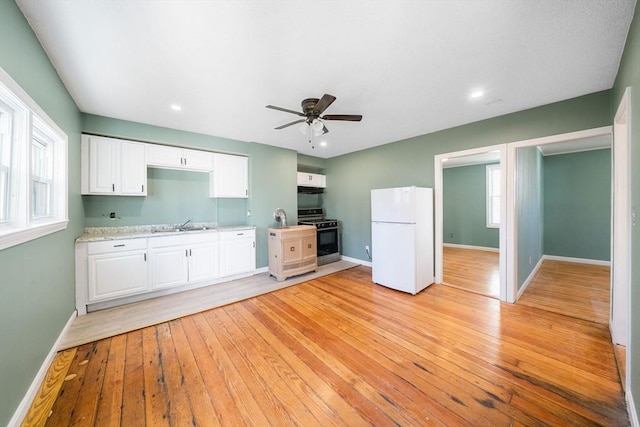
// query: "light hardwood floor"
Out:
[118,320]
[340,350]
[472,270]
[577,290]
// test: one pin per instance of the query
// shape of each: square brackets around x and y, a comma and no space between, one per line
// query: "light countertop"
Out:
[96,234]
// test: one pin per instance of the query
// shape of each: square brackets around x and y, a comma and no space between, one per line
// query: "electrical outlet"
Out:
[112,215]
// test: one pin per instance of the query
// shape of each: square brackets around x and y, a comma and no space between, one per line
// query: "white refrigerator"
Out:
[402,238]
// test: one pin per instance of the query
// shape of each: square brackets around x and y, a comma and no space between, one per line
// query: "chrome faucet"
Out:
[183,226]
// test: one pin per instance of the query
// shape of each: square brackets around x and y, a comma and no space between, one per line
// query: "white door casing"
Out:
[438,213]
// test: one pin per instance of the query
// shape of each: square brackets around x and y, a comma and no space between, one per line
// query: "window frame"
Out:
[490,196]
[29,121]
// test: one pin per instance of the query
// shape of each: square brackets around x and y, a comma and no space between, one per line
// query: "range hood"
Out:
[303,189]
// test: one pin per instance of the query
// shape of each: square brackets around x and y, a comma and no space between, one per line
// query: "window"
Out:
[6,116]
[493,196]
[33,168]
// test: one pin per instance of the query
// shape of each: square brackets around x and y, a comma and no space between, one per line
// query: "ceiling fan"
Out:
[312,108]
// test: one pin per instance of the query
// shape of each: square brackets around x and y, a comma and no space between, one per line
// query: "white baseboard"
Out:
[576,260]
[356,260]
[632,408]
[477,248]
[262,270]
[530,277]
[32,392]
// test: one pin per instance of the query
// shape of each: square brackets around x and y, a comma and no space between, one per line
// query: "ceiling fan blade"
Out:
[324,103]
[291,124]
[347,117]
[273,107]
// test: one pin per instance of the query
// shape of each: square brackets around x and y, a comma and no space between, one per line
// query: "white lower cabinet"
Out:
[114,272]
[183,259]
[116,268]
[238,252]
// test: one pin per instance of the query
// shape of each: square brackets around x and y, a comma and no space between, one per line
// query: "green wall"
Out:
[464,207]
[577,205]
[629,76]
[529,211]
[410,162]
[36,278]
[175,196]
[37,299]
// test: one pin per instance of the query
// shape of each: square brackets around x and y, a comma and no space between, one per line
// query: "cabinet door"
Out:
[197,160]
[103,165]
[169,267]
[304,179]
[204,263]
[133,169]
[117,275]
[161,156]
[309,249]
[230,176]
[312,180]
[237,253]
[291,250]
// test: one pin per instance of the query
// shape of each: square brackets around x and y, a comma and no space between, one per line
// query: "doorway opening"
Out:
[615,287]
[470,233]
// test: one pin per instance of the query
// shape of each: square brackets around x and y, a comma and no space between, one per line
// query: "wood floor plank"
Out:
[109,410]
[133,398]
[200,401]
[48,392]
[178,405]
[340,350]
[85,410]
[156,397]
[71,387]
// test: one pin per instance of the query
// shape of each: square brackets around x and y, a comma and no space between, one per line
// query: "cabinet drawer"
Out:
[110,246]
[239,234]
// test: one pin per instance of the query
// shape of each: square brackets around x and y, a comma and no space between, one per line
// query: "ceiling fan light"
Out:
[303,128]
[317,125]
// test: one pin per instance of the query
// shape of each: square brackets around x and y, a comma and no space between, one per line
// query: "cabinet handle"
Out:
[121,245]
[189,252]
[142,188]
[254,244]
[113,187]
[186,252]
[309,246]
[145,256]
[293,249]
[239,234]
[246,192]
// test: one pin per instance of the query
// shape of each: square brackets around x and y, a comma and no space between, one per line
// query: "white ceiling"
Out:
[407,66]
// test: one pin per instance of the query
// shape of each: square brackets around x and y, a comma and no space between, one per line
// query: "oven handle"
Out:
[327,229]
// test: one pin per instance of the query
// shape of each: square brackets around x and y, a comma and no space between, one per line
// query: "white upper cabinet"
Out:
[112,166]
[178,158]
[230,177]
[312,180]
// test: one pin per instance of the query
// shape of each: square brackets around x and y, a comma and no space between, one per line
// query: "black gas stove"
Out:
[328,233]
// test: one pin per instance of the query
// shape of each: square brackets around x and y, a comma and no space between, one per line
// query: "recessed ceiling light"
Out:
[476,94]
[176,107]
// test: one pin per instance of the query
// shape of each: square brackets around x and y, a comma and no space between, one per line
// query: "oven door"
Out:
[327,241]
